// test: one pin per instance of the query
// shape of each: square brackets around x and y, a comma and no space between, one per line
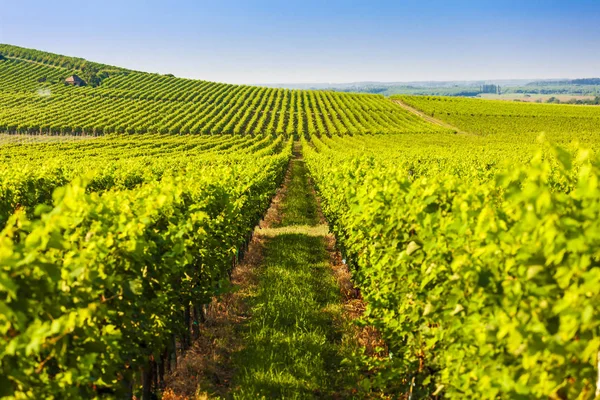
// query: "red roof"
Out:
[74,78]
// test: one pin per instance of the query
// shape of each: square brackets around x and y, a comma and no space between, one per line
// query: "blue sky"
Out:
[318,41]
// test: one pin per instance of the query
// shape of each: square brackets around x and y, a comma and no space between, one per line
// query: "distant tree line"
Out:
[588,81]
[584,81]
[594,101]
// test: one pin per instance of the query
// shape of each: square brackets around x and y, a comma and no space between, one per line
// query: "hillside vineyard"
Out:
[126,204]
[35,99]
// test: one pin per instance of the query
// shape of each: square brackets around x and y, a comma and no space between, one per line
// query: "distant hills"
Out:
[585,81]
[585,86]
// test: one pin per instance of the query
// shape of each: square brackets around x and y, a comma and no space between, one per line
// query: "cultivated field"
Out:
[179,238]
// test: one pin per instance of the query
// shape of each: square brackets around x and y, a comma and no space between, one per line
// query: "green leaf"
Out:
[533,270]
[412,247]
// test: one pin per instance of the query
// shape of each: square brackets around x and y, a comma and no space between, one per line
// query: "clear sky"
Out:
[318,41]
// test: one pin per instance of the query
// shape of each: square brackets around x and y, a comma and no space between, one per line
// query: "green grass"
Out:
[294,340]
[291,339]
[300,206]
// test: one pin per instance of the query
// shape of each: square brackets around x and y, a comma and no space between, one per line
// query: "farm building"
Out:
[74,80]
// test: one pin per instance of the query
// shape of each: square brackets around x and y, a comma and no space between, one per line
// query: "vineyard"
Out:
[34,99]
[479,267]
[562,123]
[112,269]
[127,204]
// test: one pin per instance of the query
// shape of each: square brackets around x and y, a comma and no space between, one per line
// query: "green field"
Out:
[127,206]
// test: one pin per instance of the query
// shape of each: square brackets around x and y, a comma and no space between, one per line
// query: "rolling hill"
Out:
[34,98]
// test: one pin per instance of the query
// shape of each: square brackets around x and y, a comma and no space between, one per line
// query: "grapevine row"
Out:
[479,269]
[33,99]
[117,280]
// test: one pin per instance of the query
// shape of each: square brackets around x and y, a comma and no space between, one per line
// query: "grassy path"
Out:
[294,340]
[428,118]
